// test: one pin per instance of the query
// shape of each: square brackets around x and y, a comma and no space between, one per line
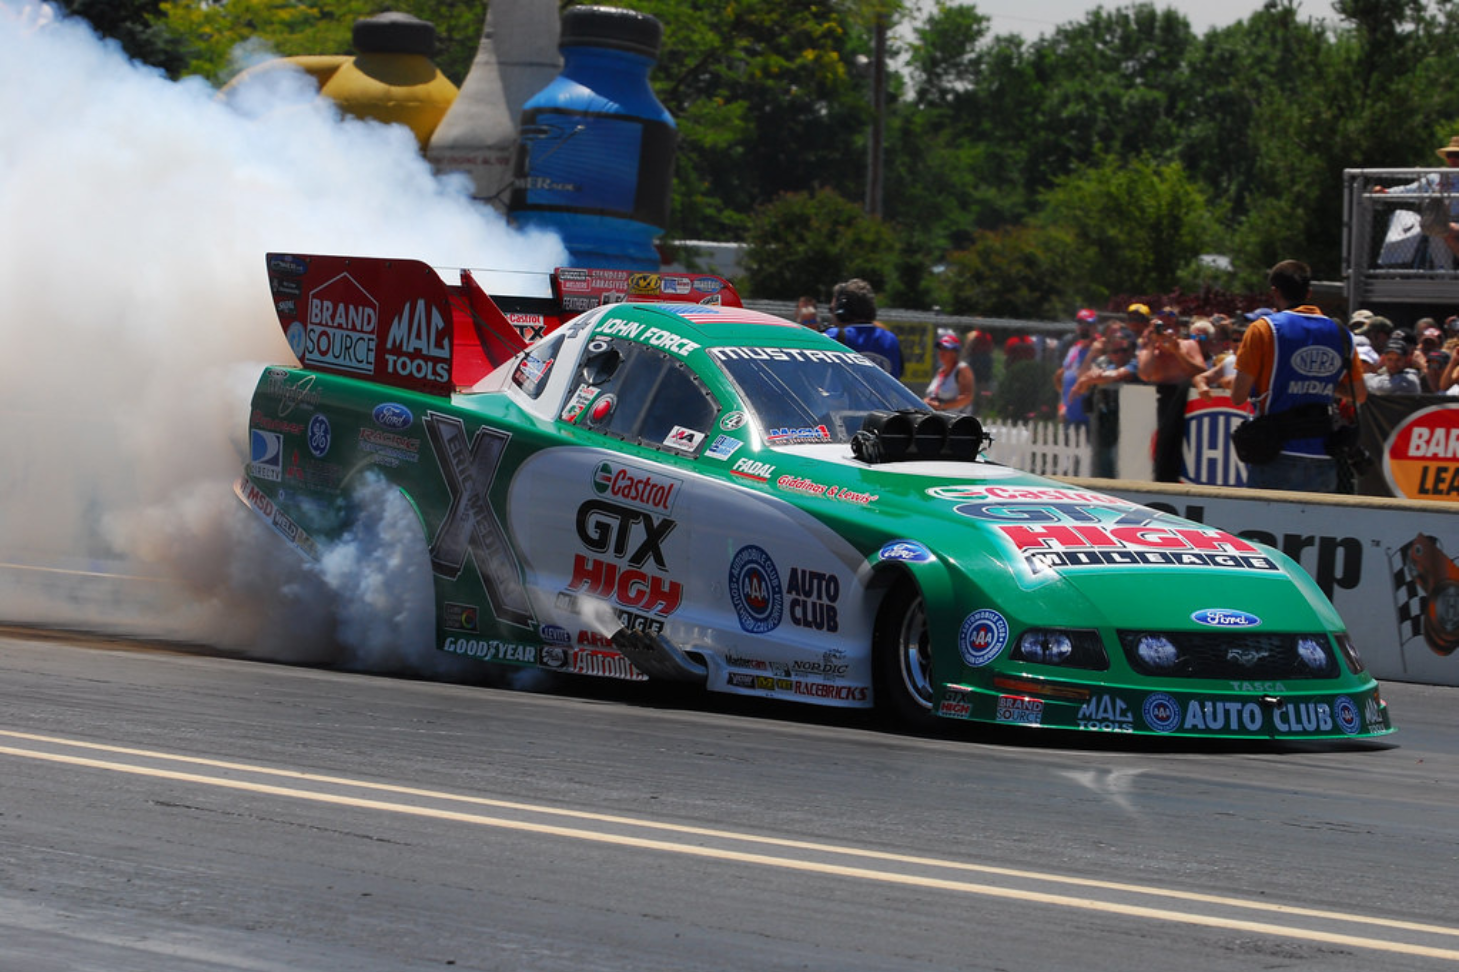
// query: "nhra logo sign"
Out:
[342,325]
[1207,456]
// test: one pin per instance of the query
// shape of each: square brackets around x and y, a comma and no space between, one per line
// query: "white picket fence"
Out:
[1045,448]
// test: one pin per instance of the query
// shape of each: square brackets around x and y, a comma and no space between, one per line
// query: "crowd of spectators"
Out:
[1175,354]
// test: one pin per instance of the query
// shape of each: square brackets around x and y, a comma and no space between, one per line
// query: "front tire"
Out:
[902,660]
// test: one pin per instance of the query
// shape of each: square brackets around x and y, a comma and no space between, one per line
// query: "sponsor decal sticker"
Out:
[1294,718]
[1019,710]
[1053,529]
[1225,618]
[826,690]
[287,263]
[809,487]
[556,634]
[643,283]
[1106,713]
[811,597]
[266,455]
[460,617]
[343,322]
[754,589]
[733,421]
[642,488]
[388,448]
[319,435]
[982,637]
[681,439]
[748,468]
[798,436]
[578,402]
[905,551]
[955,705]
[297,341]
[1161,712]
[418,344]
[708,285]
[723,447]
[530,327]
[492,650]
[1348,719]
[392,415]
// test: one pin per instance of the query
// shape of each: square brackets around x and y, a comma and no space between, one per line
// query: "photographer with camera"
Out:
[1293,365]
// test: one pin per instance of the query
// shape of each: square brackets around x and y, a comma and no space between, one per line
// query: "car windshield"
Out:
[800,395]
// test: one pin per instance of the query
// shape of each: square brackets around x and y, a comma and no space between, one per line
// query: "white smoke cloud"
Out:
[135,317]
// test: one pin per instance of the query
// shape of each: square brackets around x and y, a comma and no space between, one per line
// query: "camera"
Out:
[1360,460]
[1343,446]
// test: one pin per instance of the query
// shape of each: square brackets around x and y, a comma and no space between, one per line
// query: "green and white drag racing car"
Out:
[631,476]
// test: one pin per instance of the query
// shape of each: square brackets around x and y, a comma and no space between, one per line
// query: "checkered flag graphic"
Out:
[1407,598]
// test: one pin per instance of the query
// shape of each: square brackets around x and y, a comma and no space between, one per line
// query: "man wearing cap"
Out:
[1394,376]
[1439,222]
[1137,318]
[1292,364]
[952,387]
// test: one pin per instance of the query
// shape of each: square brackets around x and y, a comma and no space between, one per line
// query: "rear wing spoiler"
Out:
[406,324]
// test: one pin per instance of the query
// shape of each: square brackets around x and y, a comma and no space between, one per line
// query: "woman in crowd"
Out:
[952,388]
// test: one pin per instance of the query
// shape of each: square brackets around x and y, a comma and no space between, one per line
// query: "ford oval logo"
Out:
[1317,361]
[1225,618]
[392,415]
[907,551]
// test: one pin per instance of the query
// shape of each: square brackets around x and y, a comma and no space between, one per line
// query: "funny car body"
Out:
[632,476]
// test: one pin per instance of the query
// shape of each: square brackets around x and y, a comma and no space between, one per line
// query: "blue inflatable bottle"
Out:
[595,155]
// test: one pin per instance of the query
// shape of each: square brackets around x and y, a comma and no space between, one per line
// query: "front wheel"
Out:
[902,656]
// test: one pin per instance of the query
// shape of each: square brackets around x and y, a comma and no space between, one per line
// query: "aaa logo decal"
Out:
[982,637]
[755,592]
[1161,712]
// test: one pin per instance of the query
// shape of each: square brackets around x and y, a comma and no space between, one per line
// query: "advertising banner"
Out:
[1387,565]
[1414,441]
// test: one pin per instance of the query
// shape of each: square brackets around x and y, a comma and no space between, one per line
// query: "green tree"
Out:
[804,243]
[135,25]
[292,27]
[1139,223]
[765,102]
[1019,272]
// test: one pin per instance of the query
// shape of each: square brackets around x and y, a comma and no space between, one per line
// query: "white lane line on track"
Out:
[786,863]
